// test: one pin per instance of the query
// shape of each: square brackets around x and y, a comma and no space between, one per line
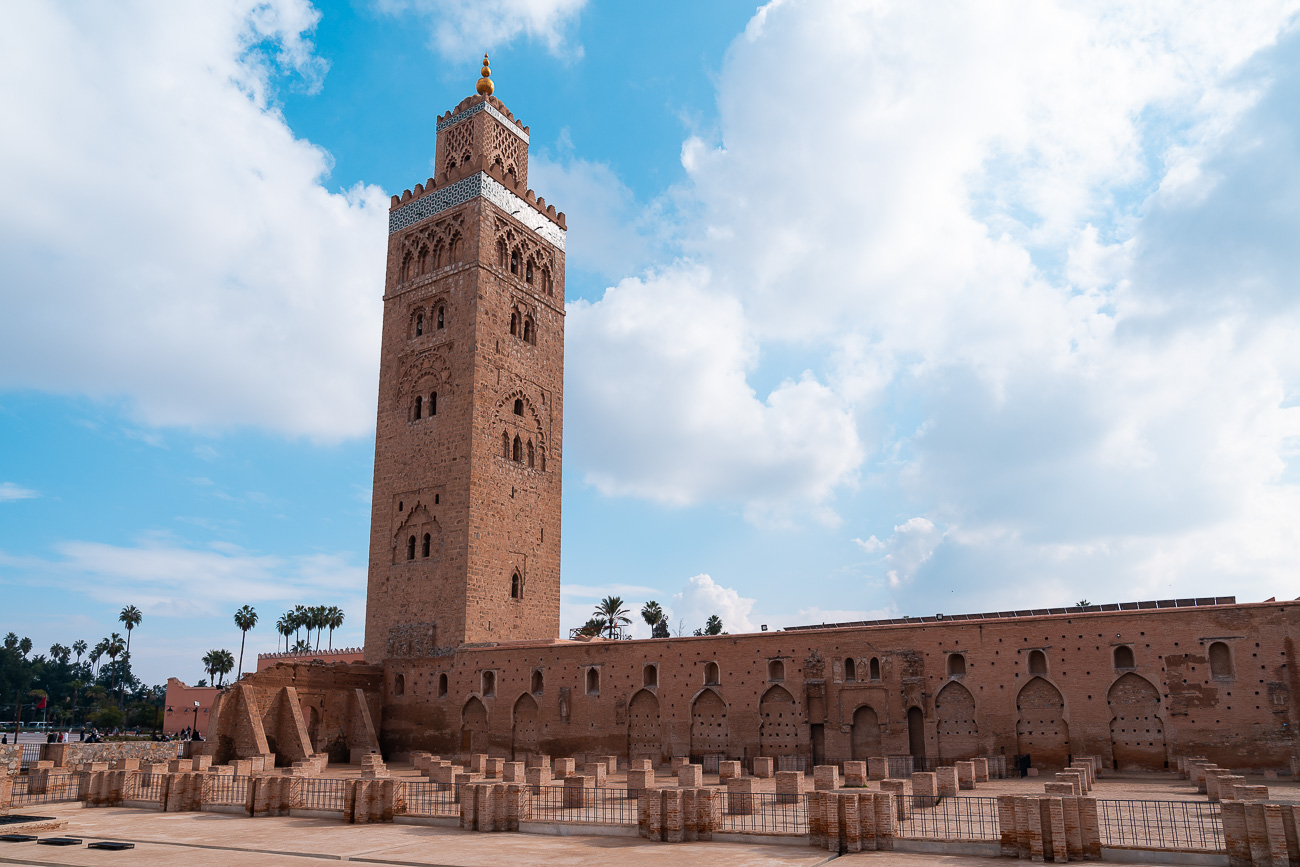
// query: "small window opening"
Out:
[442,685]
[489,684]
[399,684]
[530,454]
[850,670]
[1220,660]
[419,405]
[875,668]
[514,262]
[593,681]
[410,548]
[776,670]
[514,586]
[537,683]
[1037,662]
[419,324]
[400,504]
[518,451]
[956,665]
[505,445]
[519,406]
[426,545]
[433,404]
[514,324]
[441,316]
[711,673]
[436,498]
[650,675]
[528,330]
[1124,658]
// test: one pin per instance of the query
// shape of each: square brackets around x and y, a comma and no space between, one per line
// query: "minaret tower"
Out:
[465,522]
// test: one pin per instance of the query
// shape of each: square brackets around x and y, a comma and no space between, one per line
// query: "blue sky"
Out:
[873,310]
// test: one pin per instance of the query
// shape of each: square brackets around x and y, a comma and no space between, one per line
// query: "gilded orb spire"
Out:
[485,83]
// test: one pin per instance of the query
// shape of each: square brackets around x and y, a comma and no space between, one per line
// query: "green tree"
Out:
[245,619]
[593,626]
[283,626]
[79,648]
[116,647]
[25,646]
[130,617]
[1082,603]
[218,663]
[333,620]
[655,617]
[611,610]
[712,626]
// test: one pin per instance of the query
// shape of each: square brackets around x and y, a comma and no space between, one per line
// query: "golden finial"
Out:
[485,83]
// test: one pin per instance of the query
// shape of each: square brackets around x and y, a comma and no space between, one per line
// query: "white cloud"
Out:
[702,598]
[463,29]
[166,236]
[10,492]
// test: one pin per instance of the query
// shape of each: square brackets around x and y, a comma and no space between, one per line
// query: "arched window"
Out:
[1124,658]
[453,249]
[518,452]
[593,681]
[442,685]
[650,675]
[537,683]
[530,454]
[399,684]
[514,262]
[433,403]
[711,673]
[1037,662]
[515,589]
[419,405]
[501,253]
[505,445]
[436,259]
[546,281]
[850,670]
[442,312]
[1220,660]
[956,665]
[422,261]
[875,668]
[426,545]
[776,670]
[419,324]
[514,323]
[489,684]
[528,272]
[410,548]
[519,406]
[528,330]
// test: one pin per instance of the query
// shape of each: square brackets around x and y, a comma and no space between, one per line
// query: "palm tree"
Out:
[713,626]
[76,688]
[316,616]
[116,646]
[79,647]
[653,615]
[611,610]
[218,662]
[25,645]
[245,619]
[131,618]
[593,627]
[95,654]
[333,620]
[226,661]
[299,621]
[284,626]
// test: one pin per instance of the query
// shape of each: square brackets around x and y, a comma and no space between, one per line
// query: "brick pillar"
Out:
[1059,788]
[1086,768]
[816,818]
[1257,834]
[1275,826]
[537,776]
[789,787]
[690,776]
[855,774]
[703,810]
[900,792]
[512,772]
[674,816]
[884,821]
[1249,793]
[537,760]
[981,770]
[649,816]
[579,791]
[563,768]
[611,763]
[518,805]
[1212,781]
[850,822]
[678,762]
[1236,838]
[728,770]
[740,796]
[1226,785]
[1073,829]
[947,781]
[925,788]
[764,767]
[867,820]
[965,774]
[826,778]
[1007,837]
[1054,840]
[639,780]
[597,771]
[1089,829]
[640,765]
[877,767]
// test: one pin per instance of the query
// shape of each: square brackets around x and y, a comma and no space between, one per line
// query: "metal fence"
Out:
[31,754]
[710,763]
[324,794]
[588,806]
[151,787]
[926,817]
[432,799]
[1194,826]
[792,763]
[902,767]
[45,789]
[230,790]
[763,813]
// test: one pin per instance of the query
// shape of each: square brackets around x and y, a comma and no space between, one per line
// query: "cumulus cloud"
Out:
[10,491]
[465,28]
[167,238]
[701,598]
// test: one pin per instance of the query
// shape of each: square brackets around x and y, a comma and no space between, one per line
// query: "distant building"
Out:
[343,654]
[178,709]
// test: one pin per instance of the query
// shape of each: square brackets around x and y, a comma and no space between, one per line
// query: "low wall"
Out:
[69,755]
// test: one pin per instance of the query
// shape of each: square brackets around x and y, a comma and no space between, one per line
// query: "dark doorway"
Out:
[916,732]
[819,743]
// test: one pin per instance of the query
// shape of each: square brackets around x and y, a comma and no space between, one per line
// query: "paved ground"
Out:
[210,839]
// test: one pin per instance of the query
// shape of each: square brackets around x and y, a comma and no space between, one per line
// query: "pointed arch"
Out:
[866,734]
[779,723]
[1137,733]
[505,445]
[517,450]
[531,454]
[1042,732]
[524,730]
[710,732]
[644,730]
[954,708]
[474,726]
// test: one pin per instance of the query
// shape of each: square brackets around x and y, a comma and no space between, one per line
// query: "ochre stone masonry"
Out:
[462,649]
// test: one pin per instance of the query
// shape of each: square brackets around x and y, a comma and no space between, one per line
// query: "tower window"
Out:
[1124,658]
[426,545]
[410,548]
[501,253]
[433,403]
[519,406]
[505,445]
[593,681]
[776,670]
[399,684]
[850,670]
[419,324]
[528,331]
[1220,661]
[528,272]
[650,675]
[441,316]
[514,324]
[515,589]
[518,453]
[514,262]
[1037,662]
[711,673]
[537,683]
[419,406]
[875,668]
[489,684]
[956,665]
[530,454]
[442,685]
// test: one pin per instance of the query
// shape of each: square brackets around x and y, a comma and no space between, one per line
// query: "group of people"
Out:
[94,736]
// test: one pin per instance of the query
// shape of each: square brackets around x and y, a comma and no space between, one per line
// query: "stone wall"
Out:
[11,756]
[71,755]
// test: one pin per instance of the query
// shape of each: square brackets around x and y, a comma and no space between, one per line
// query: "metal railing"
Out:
[432,799]
[151,787]
[710,762]
[229,790]
[1190,826]
[45,789]
[928,817]
[763,813]
[319,793]
[588,806]
[31,754]
[792,763]
[902,767]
